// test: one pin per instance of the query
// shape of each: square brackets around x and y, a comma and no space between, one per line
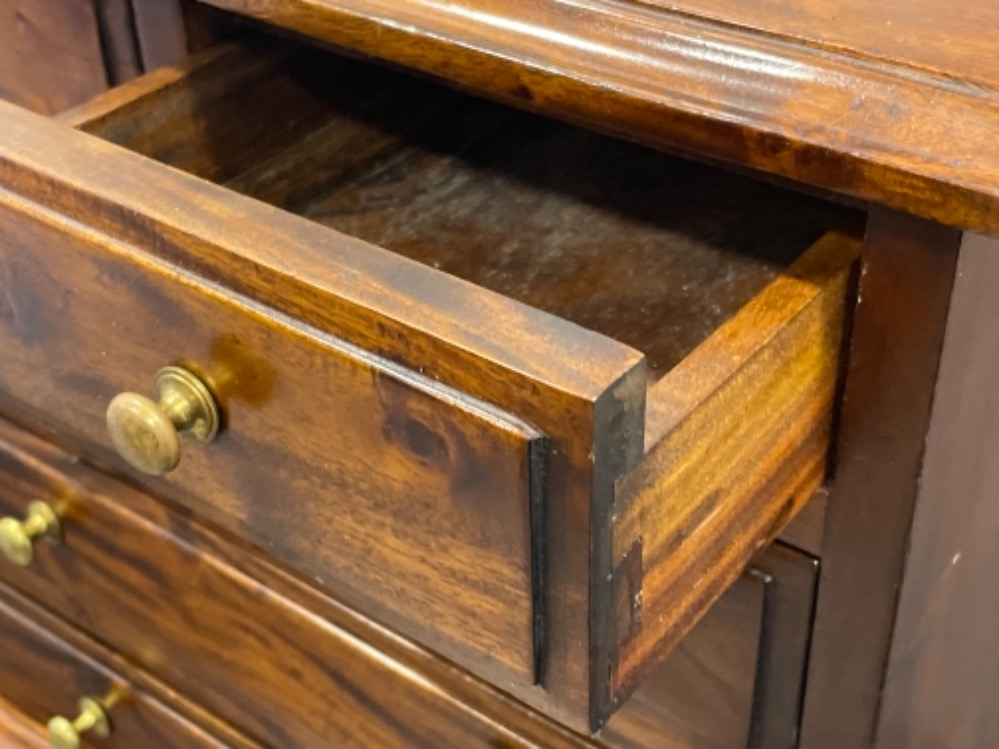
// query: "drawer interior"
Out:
[651,250]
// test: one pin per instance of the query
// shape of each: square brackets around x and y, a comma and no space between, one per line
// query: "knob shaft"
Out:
[17,537]
[146,433]
[68,734]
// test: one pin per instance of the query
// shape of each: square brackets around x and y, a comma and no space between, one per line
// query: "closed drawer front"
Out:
[45,677]
[298,670]
[475,453]
[181,603]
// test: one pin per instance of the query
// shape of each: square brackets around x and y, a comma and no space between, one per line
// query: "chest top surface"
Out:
[959,41]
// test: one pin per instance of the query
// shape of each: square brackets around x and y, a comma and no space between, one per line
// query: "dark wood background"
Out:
[55,54]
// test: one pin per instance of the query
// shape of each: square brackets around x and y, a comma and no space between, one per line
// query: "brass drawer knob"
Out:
[146,432]
[67,734]
[17,537]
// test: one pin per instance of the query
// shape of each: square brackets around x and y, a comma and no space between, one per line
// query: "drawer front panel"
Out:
[745,438]
[180,602]
[45,676]
[406,499]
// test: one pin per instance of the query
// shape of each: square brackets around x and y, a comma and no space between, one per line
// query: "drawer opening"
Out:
[646,248]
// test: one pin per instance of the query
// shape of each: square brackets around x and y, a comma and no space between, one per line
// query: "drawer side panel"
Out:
[743,429]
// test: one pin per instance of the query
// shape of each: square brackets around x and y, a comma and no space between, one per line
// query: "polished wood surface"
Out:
[931,36]
[17,732]
[299,670]
[568,382]
[590,229]
[139,576]
[50,53]
[810,91]
[941,676]
[584,392]
[419,512]
[903,302]
[763,388]
[45,675]
[870,123]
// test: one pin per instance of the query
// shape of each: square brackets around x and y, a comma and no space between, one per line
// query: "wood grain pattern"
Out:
[882,131]
[160,588]
[583,391]
[300,670]
[311,265]
[17,732]
[653,251]
[924,35]
[50,53]
[420,512]
[763,388]
[905,287]
[45,675]
[719,240]
[941,677]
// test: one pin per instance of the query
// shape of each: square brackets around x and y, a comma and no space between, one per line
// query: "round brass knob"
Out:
[67,734]
[17,537]
[146,432]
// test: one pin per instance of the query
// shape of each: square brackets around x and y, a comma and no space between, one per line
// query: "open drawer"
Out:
[527,394]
